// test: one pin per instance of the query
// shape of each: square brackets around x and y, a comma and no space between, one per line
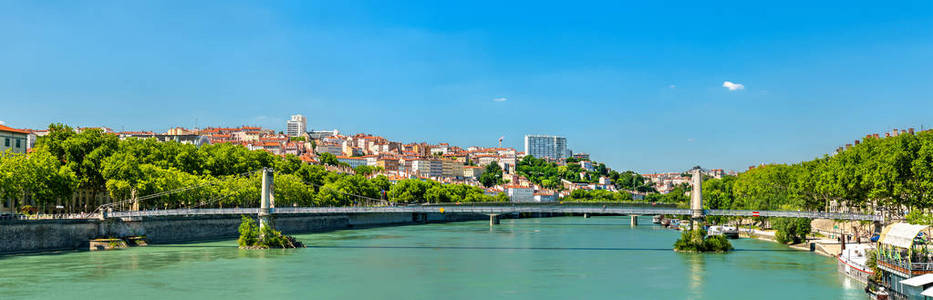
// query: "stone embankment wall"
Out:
[51,235]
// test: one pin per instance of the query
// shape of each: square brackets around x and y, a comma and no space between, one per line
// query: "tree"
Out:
[328,159]
[793,230]
[408,191]
[382,183]
[492,175]
[290,190]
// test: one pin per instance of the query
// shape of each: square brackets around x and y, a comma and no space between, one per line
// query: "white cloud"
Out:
[672,86]
[732,86]
[500,99]
[690,140]
[2,123]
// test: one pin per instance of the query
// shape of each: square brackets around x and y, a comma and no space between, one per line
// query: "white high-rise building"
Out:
[297,126]
[541,146]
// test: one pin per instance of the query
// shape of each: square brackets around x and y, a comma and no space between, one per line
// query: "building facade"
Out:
[428,168]
[520,193]
[297,126]
[546,146]
[12,138]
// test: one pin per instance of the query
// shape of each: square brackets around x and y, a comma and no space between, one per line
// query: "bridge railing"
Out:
[795,214]
[498,209]
[184,212]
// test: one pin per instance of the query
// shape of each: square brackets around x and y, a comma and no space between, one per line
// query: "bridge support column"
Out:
[586,216]
[265,208]
[493,220]
[634,220]
[696,199]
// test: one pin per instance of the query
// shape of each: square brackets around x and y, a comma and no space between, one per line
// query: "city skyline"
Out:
[634,85]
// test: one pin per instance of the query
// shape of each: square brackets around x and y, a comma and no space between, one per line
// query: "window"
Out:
[7,142]
[18,143]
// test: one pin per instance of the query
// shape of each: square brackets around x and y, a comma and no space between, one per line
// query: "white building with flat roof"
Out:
[519,193]
[546,146]
[297,126]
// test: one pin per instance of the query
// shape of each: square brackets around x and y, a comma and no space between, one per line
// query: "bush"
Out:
[791,230]
[249,232]
[252,237]
[697,241]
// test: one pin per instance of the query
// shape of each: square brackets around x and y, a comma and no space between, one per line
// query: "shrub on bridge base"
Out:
[697,241]
[251,237]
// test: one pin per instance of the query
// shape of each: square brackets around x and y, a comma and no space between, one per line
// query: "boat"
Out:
[729,231]
[852,262]
[656,219]
[714,230]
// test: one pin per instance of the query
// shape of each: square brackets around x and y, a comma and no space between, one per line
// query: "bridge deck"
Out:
[557,209]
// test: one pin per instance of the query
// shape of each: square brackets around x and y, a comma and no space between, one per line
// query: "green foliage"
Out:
[367,170]
[492,175]
[328,159]
[249,232]
[37,176]
[599,196]
[917,216]
[697,241]
[790,230]
[872,264]
[414,191]
[254,237]
[717,194]
[549,174]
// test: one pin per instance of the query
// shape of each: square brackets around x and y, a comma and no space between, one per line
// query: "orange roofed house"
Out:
[12,138]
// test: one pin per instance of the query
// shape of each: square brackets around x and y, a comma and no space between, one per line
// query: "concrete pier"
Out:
[586,216]
[265,208]
[493,220]
[634,220]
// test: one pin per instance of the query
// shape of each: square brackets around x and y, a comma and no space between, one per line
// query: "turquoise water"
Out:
[549,258]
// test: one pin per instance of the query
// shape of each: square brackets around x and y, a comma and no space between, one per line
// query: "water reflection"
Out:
[695,264]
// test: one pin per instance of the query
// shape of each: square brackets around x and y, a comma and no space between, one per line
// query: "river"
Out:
[546,258]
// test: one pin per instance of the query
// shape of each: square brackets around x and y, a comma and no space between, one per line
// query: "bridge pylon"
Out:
[266,206]
[696,197]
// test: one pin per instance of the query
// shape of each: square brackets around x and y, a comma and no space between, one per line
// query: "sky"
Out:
[648,86]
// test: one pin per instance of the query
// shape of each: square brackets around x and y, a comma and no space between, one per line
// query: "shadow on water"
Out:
[522,248]
[193,246]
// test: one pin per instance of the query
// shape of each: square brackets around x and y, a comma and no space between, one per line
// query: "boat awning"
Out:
[921,280]
[901,234]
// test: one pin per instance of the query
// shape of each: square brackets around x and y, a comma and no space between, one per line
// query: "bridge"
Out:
[696,212]
[494,210]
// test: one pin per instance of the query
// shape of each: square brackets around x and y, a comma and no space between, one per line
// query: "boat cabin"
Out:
[905,258]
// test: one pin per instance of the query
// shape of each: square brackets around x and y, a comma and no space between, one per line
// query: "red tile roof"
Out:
[11,129]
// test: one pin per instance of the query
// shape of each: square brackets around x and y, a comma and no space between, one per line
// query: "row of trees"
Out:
[886,175]
[91,162]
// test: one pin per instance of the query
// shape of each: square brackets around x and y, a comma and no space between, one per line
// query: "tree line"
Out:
[72,169]
[888,175]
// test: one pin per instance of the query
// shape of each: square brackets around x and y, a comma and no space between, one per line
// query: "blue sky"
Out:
[638,85]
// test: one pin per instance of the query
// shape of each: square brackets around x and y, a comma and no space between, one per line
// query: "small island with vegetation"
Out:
[697,241]
[252,237]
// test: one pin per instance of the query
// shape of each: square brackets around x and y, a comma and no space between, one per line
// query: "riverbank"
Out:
[825,247]
[36,236]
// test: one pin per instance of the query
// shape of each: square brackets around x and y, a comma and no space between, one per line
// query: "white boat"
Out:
[714,230]
[852,261]
[730,231]
[656,219]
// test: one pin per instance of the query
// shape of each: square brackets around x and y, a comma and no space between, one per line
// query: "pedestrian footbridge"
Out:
[496,210]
